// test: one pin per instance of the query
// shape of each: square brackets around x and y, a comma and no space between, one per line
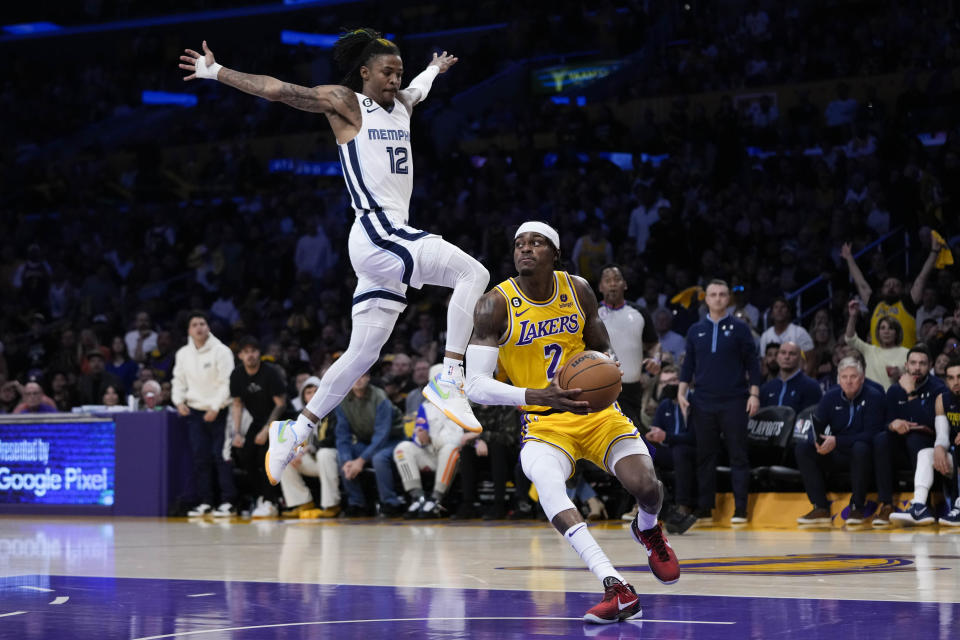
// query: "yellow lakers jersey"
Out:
[541,335]
[898,311]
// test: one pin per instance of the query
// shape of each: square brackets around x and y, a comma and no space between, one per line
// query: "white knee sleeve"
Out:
[548,469]
[371,330]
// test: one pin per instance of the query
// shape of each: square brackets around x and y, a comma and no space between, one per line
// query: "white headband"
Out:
[545,230]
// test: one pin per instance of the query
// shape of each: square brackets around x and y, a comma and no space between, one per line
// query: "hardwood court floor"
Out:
[146,578]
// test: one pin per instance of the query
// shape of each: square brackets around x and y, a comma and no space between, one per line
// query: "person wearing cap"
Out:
[531,326]
[316,459]
[201,392]
[258,388]
[92,384]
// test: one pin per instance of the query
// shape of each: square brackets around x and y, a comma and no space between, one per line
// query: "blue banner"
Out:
[48,462]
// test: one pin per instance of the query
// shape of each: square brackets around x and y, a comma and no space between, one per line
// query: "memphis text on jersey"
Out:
[388,134]
[530,331]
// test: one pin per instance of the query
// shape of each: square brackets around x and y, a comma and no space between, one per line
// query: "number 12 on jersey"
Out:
[554,352]
[398,159]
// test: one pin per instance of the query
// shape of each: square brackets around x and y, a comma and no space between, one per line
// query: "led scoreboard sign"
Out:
[46,460]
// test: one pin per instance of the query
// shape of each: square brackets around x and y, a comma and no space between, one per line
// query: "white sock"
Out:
[303,427]
[452,370]
[590,552]
[646,520]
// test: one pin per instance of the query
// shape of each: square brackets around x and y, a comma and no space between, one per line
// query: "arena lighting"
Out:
[321,40]
[30,27]
[167,97]
[304,167]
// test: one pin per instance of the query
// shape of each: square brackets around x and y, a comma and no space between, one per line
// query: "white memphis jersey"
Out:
[378,163]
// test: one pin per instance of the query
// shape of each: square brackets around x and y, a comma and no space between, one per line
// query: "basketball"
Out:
[596,375]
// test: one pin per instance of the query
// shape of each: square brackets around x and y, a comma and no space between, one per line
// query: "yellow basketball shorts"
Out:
[590,437]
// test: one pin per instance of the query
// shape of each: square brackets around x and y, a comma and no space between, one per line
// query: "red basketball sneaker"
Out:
[620,602]
[663,561]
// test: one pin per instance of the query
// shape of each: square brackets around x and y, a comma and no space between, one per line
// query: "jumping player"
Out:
[370,117]
[534,324]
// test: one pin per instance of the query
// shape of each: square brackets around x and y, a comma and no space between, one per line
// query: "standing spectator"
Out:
[884,361]
[632,338]
[142,339]
[435,445]
[784,330]
[792,387]
[161,359]
[201,392]
[910,426]
[721,357]
[120,365]
[891,301]
[34,400]
[591,251]
[670,341]
[314,254]
[257,387]
[317,459]
[92,384]
[644,215]
[854,412]
[368,428]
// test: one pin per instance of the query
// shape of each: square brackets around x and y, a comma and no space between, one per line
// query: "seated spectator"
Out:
[792,387]
[929,310]
[845,422]
[434,446]
[368,428]
[420,378]
[161,359]
[10,392]
[142,339]
[150,397]
[500,444]
[93,384]
[818,364]
[769,369]
[783,329]
[910,426]
[35,401]
[61,392]
[670,341]
[674,448]
[121,365]
[111,397]
[317,459]
[885,360]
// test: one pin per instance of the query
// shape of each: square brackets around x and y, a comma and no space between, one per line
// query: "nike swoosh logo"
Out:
[627,605]
[372,110]
[700,335]
[280,437]
[436,387]
[520,313]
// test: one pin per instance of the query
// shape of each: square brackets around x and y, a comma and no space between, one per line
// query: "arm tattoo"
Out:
[304,98]
[489,322]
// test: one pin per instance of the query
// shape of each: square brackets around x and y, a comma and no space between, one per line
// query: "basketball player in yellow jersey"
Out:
[534,324]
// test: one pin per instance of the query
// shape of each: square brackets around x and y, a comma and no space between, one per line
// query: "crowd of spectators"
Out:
[104,252]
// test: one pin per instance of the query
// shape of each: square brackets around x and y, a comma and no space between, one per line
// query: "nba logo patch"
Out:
[563,297]
[516,302]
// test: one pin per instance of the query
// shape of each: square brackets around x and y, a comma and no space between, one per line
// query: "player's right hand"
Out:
[558,398]
[201,66]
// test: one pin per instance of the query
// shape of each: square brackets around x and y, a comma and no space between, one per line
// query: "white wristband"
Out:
[205,72]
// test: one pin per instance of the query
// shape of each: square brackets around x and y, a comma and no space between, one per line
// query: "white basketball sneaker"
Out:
[284,442]
[446,392]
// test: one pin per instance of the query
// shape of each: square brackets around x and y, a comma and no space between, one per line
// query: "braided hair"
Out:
[355,49]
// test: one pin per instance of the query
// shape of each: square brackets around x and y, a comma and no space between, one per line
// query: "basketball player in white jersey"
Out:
[370,117]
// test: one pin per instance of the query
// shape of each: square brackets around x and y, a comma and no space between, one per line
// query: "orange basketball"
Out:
[596,375]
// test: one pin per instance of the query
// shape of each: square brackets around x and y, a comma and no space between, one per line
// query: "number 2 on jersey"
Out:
[398,159]
[554,352]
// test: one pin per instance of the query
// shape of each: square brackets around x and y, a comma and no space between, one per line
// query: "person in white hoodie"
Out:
[201,393]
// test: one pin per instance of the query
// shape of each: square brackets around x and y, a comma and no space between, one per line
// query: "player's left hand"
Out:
[200,66]
[443,61]
[753,405]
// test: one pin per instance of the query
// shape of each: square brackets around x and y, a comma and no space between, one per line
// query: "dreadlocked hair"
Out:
[355,48]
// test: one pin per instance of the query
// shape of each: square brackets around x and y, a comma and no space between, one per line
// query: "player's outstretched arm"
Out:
[328,99]
[489,323]
[419,87]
